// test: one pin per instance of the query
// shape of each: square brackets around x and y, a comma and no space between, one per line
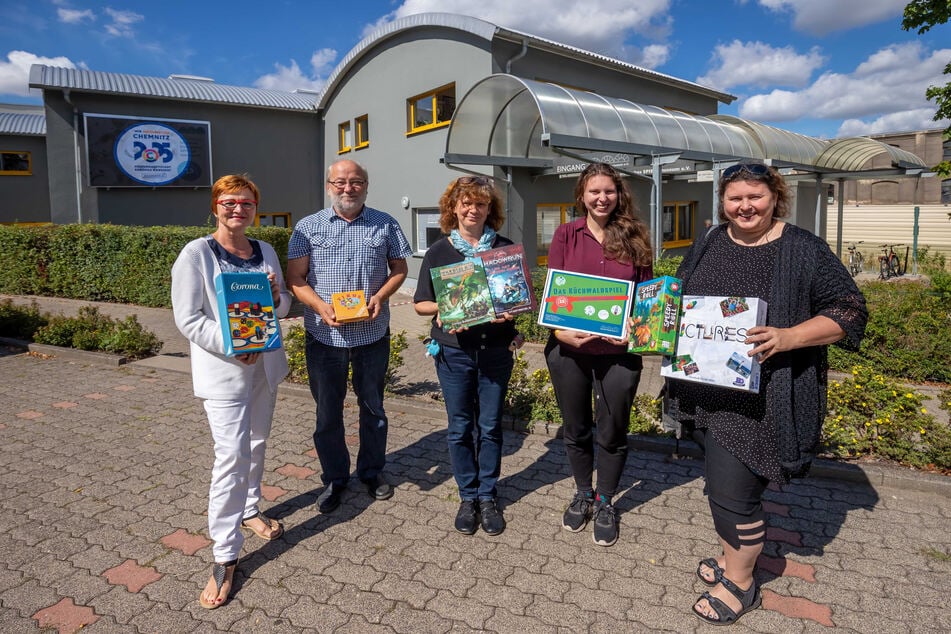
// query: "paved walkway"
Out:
[104,480]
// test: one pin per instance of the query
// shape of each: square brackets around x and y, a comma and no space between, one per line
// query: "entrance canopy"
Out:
[509,121]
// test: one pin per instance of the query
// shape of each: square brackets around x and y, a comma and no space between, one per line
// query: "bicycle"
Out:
[856,259]
[888,263]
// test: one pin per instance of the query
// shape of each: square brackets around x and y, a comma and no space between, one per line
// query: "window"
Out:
[273,220]
[430,110]
[16,164]
[427,228]
[362,125]
[548,217]
[677,223]
[344,141]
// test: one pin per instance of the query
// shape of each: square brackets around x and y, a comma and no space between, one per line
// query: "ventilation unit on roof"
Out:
[191,77]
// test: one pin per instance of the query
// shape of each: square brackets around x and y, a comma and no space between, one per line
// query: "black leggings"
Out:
[735,494]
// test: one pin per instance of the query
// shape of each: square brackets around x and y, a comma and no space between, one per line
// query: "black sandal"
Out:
[712,564]
[749,599]
[272,524]
[219,573]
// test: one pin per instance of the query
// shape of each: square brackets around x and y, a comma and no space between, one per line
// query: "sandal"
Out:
[222,574]
[272,525]
[712,564]
[749,599]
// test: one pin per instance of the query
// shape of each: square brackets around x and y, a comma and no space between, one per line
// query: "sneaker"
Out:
[578,512]
[605,524]
[467,519]
[492,521]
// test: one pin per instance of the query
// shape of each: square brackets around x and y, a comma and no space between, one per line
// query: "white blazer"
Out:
[195,306]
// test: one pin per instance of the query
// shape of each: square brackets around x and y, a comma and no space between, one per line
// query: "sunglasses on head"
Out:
[473,180]
[755,169]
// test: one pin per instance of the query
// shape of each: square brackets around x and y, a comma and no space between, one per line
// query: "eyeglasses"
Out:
[755,169]
[231,204]
[356,183]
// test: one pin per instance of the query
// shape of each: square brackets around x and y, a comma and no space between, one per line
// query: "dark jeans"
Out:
[612,381]
[327,368]
[474,383]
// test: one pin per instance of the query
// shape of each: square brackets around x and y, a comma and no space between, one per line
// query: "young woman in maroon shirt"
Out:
[608,240]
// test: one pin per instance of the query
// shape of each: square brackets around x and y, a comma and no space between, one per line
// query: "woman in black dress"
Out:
[750,439]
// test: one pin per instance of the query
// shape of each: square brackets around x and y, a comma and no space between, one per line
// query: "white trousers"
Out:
[240,429]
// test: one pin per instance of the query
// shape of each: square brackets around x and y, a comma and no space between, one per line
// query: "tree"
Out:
[921,15]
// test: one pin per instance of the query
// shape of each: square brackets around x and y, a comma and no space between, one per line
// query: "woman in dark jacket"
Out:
[750,440]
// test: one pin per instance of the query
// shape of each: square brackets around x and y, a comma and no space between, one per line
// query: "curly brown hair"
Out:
[477,189]
[626,237]
[756,172]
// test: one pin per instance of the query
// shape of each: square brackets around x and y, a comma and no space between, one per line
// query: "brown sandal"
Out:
[272,525]
[222,574]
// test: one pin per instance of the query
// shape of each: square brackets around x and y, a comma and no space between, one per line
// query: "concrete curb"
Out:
[70,354]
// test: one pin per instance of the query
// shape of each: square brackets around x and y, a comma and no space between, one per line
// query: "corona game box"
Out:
[246,310]
[656,314]
[710,346]
[350,306]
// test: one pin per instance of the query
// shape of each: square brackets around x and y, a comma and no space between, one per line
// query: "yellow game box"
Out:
[349,306]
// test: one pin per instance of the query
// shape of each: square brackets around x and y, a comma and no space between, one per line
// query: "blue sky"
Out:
[825,68]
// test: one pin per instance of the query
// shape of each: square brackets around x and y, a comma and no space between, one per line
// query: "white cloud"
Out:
[759,64]
[887,86]
[75,16]
[289,78]
[821,17]
[918,119]
[15,72]
[122,21]
[600,26]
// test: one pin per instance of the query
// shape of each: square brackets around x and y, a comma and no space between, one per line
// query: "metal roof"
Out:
[488,32]
[200,90]
[23,123]
[509,120]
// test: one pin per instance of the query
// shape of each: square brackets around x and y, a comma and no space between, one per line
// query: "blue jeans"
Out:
[327,368]
[473,384]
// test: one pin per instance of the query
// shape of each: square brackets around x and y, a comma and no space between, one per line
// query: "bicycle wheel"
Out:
[895,265]
[883,272]
[853,266]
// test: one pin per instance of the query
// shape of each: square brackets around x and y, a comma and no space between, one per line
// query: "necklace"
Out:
[763,238]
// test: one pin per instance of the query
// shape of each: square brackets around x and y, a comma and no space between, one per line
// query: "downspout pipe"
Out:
[76,156]
[518,56]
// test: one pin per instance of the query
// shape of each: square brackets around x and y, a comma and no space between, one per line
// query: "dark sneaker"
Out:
[466,519]
[329,499]
[605,524]
[378,488]
[492,521]
[578,512]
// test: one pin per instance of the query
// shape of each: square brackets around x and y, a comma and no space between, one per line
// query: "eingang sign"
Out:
[124,151]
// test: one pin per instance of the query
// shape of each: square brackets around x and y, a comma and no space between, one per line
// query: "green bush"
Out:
[530,397]
[102,262]
[20,322]
[295,347]
[667,265]
[645,415]
[91,330]
[872,415]
[527,323]
[908,334]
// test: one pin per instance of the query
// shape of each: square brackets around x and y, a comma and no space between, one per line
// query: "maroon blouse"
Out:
[574,248]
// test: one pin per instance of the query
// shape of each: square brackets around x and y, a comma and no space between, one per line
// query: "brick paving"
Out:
[103,483]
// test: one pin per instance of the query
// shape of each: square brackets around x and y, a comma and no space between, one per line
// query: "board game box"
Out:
[510,281]
[586,303]
[656,315]
[462,294]
[349,306]
[710,346]
[246,311]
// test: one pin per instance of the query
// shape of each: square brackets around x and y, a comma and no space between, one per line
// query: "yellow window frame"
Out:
[343,138]
[676,229]
[449,90]
[284,216]
[10,172]
[362,135]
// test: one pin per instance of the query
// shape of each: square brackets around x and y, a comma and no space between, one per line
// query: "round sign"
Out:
[151,153]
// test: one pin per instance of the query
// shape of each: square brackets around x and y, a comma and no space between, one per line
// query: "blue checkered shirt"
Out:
[346,256]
